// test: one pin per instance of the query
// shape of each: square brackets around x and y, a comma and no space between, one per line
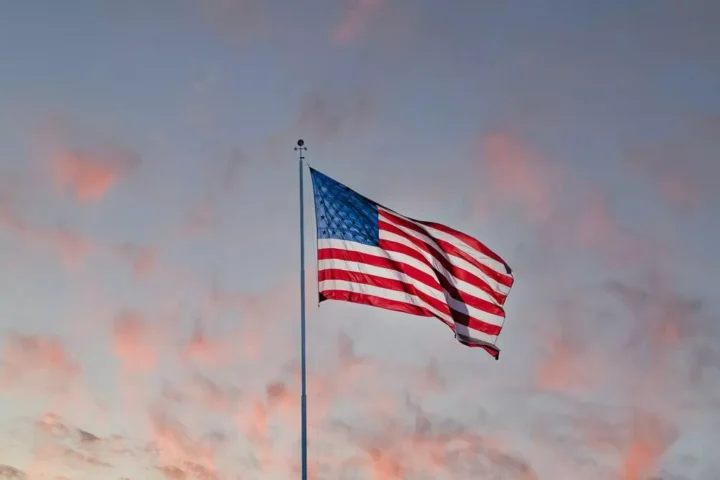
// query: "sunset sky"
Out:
[149,243]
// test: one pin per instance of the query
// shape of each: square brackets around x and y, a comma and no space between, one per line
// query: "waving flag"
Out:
[372,255]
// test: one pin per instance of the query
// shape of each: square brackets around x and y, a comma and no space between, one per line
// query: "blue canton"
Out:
[342,213]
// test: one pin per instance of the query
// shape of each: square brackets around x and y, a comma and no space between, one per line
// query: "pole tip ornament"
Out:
[300,142]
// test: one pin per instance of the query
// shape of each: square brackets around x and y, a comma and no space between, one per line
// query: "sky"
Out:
[149,237]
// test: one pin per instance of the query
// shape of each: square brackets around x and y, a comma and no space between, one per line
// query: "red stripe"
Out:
[446,247]
[438,282]
[379,302]
[447,264]
[452,270]
[458,317]
[375,281]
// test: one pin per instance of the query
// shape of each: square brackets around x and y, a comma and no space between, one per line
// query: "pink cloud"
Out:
[235,20]
[568,367]
[356,20]
[597,230]
[675,183]
[222,179]
[515,176]
[680,168]
[217,351]
[326,118]
[142,259]
[11,473]
[134,342]
[517,179]
[179,451]
[72,247]
[37,361]
[90,176]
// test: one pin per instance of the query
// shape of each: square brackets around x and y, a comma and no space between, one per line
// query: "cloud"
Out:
[431,444]
[222,183]
[235,20]
[143,260]
[11,473]
[72,247]
[178,451]
[591,225]
[567,214]
[649,439]
[356,19]
[631,345]
[681,166]
[569,364]
[60,447]
[205,349]
[135,342]
[89,176]
[37,361]
[203,392]
[324,118]
[515,176]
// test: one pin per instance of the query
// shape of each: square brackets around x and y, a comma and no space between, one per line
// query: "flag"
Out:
[372,255]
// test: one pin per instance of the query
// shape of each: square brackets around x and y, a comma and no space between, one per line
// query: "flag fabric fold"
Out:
[372,255]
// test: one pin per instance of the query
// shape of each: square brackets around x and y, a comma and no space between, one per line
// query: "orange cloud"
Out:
[649,439]
[356,19]
[90,176]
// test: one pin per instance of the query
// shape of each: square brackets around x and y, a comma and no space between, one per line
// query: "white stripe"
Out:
[401,297]
[440,295]
[350,245]
[461,285]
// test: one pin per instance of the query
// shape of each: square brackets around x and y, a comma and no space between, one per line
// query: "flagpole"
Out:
[300,148]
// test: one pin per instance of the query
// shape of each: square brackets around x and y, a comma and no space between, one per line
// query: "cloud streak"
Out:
[90,176]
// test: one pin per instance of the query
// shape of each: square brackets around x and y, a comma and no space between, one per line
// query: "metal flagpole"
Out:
[303,397]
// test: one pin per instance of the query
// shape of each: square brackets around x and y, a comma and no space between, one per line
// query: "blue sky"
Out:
[149,237]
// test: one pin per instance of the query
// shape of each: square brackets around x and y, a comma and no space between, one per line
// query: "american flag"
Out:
[372,255]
